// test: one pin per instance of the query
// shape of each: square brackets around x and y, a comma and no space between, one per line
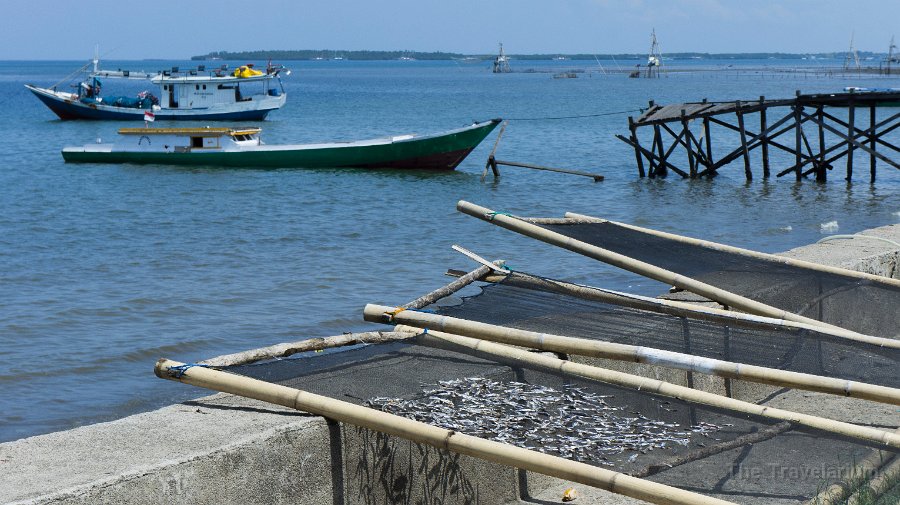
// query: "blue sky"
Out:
[174,29]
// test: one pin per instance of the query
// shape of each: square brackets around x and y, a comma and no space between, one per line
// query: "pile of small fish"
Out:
[573,423]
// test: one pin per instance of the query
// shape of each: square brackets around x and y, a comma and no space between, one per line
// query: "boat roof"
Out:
[207,131]
[191,79]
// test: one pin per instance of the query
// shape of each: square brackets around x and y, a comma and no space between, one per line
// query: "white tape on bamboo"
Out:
[633,265]
[462,344]
[853,274]
[441,438]
[638,354]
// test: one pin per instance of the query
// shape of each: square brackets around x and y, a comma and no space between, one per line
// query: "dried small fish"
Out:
[572,423]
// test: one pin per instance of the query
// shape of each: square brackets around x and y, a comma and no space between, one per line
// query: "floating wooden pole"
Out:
[493,161]
[653,386]
[440,438]
[632,353]
[620,260]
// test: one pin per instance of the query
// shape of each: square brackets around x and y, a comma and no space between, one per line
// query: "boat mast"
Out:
[654,59]
[852,55]
[501,63]
[890,58]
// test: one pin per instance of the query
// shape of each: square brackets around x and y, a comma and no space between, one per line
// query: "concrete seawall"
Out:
[225,449]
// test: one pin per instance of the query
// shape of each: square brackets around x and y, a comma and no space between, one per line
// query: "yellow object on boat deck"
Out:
[246,71]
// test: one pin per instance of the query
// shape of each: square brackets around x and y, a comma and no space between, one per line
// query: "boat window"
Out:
[196,141]
[204,86]
[196,86]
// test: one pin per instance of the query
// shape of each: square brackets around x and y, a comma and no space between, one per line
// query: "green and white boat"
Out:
[242,147]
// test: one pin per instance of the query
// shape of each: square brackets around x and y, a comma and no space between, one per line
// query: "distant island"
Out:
[336,54]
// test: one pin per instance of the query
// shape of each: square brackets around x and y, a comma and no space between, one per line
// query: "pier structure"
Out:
[839,122]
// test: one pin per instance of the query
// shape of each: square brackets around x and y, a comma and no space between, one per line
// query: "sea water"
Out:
[106,268]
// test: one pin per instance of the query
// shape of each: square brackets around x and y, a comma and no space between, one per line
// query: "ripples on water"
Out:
[107,268]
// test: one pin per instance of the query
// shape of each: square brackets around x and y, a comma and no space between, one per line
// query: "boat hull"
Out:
[66,108]
[434,152]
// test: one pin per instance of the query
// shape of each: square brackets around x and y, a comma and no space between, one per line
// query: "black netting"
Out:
[856,304]
[531,303]
[670,441]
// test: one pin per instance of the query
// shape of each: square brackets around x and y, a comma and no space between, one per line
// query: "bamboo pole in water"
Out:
[434,436]
[633,265]
[653,386]
[636,354]
[746,252]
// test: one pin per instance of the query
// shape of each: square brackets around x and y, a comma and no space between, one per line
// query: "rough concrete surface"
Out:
[225,449]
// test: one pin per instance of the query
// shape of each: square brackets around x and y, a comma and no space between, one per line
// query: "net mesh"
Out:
[668,440]
[536,304]
[856,304]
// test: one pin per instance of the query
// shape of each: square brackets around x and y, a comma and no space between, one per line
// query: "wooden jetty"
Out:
[837,137]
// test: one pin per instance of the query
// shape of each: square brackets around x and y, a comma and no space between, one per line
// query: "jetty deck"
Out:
[839,128]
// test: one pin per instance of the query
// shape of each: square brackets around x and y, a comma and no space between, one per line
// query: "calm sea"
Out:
[105,269]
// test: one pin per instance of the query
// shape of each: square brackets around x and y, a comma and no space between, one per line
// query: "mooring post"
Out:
[764,137]
[872,159]
[798,134]
[491,163]
[637,146]
[850,134]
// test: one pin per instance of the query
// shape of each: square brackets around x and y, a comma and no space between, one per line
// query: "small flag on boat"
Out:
[148,116]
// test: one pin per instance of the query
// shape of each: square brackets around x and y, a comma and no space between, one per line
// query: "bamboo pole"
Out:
[449,289]
[792,262]
[653,386]
[632,353]
[878,485]
[839,492]
[632,265]
[431,435]
[694,311]
[312,344]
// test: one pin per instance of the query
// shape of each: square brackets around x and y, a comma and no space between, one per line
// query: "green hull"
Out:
[434,152]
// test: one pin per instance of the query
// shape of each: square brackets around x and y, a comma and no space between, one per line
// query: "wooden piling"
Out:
[804,150]
[740,118]
[637,149]
[872,158]
[764,137]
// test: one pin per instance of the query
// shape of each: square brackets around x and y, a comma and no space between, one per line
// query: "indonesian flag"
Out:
[148,116]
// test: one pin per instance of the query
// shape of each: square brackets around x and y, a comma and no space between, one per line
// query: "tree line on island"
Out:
[330,54]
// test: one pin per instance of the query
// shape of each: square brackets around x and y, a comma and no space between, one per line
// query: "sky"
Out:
[179,29]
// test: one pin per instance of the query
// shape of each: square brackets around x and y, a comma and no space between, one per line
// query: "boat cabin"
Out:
[193,90]
[183,140]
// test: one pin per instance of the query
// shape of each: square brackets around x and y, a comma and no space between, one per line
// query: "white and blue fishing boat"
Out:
[242,94]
